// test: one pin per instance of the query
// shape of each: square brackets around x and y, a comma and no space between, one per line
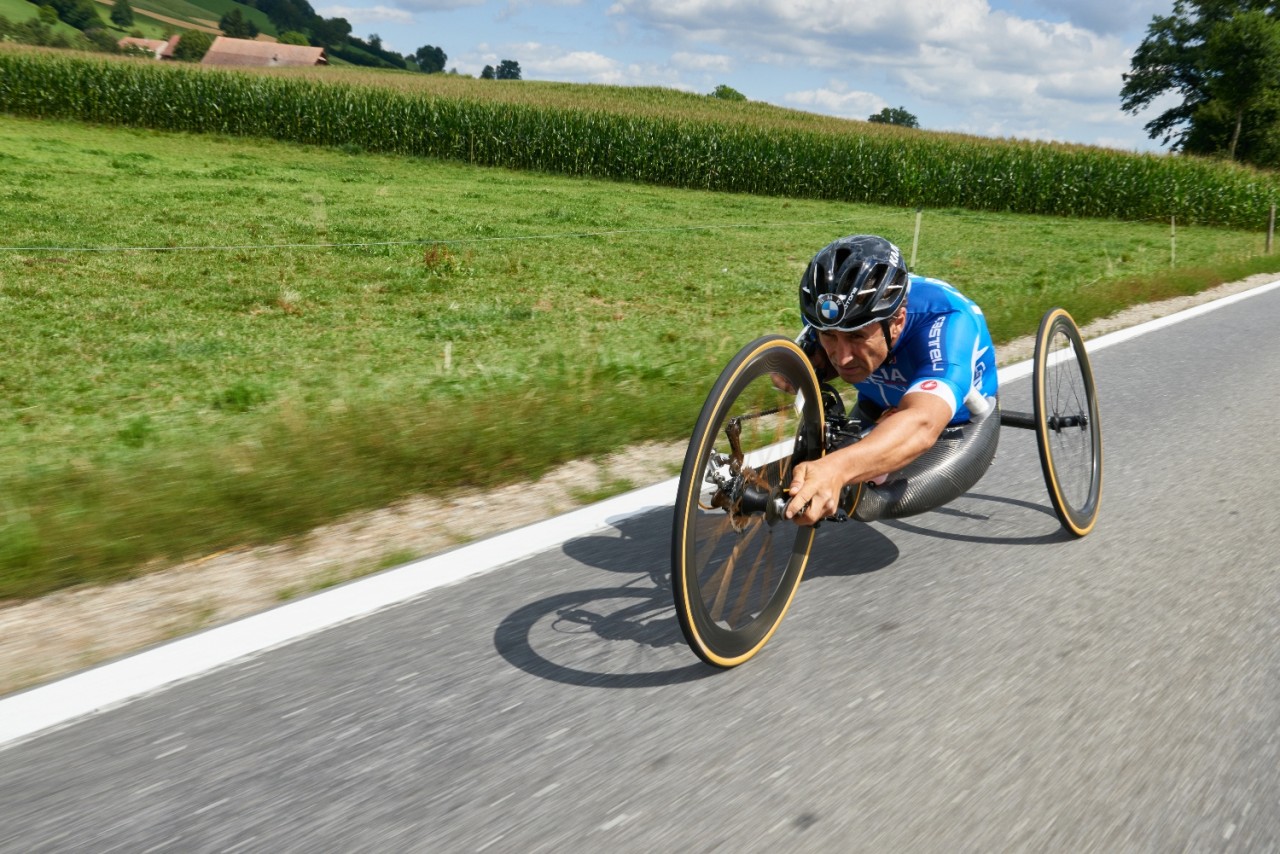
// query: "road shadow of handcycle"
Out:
[627,635]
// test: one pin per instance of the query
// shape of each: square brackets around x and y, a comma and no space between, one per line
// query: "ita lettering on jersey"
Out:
[887,375]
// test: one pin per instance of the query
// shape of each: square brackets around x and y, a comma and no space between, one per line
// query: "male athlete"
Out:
[916,349]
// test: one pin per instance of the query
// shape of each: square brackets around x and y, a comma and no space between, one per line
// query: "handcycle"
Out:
[736,563]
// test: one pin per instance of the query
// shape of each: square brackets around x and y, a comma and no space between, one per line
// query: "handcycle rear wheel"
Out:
[1068,429]
[735,563]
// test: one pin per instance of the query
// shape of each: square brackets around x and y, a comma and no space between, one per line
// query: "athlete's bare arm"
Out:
[898,438]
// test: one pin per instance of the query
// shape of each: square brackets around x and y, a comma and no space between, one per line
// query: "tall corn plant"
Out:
[666,147]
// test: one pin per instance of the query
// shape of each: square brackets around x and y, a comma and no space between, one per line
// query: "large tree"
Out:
[81,14]
[1222,58]
[193,45]
[235,25]
[122,14]
[430,58]
[330,32]
[508,69]
[895,116]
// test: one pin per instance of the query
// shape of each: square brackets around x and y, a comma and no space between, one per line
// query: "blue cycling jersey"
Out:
[944,350]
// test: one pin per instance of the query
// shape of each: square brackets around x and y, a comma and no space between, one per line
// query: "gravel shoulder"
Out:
[76,628]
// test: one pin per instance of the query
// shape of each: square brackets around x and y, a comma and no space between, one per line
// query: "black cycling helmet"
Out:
[852,282]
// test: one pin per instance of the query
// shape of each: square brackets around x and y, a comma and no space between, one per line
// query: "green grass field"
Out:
[216,375]
[204,13]
[21,10]
[18,11]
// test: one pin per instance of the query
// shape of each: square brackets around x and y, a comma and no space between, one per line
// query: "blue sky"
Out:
[1031,69]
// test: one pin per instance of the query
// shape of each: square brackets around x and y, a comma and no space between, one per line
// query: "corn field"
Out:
[746,152]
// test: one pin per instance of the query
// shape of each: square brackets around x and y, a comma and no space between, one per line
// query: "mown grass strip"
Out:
[932,170]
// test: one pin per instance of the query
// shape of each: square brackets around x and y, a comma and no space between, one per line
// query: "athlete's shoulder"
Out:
[934,296]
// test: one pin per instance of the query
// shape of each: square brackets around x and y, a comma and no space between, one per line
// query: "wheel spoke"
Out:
[707,543]
[744,597]
[723,577]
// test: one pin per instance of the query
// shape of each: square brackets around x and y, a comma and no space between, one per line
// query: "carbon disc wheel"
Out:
[1068,429]
[735,562]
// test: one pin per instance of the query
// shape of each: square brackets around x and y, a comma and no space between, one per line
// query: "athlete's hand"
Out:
[781,384]
[815,491]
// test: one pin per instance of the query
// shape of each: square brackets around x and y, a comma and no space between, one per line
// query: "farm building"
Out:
[163,49]
[228,51]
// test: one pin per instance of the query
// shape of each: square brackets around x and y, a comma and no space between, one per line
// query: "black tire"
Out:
[1068,429]
[735,564]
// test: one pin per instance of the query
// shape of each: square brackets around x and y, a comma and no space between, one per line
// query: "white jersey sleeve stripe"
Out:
[938,389]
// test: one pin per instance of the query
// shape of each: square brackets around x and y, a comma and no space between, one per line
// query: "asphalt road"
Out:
[966,680]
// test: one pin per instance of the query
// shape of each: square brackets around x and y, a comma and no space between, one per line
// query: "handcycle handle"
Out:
[841,515]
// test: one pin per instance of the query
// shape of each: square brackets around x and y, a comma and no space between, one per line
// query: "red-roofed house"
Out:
[228,51]
[161,48]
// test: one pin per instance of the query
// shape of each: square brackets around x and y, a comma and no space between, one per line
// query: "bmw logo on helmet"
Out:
[829,307]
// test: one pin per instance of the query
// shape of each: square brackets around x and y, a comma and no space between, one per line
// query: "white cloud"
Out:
[962,49]
[548,62]
[702,61]
[814,31]
[515,8]
[419,6]
[1046,69]
[837,100]
[574,65]
[366,15]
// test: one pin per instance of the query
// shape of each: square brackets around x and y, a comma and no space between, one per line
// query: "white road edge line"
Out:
[42,708]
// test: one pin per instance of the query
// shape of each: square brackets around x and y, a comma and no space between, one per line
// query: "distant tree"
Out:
[488,73]
[289,14]
[896,116]
[330,32]
[292,37]
[122,14]
[101,40]
[375,54]
[430,59]
[81,14]
[508,69]
[193,45]
[727,93]
[235,25]
[37,31]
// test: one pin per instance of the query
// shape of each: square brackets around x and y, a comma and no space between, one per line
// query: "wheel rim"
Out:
[1071,438]
[738,563]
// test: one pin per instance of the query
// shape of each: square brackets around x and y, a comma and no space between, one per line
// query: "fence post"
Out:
[1271,227]
[915,241]
[1173,241]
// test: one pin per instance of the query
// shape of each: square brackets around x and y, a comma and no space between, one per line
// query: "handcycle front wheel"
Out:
[735,563]
[1068,429]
